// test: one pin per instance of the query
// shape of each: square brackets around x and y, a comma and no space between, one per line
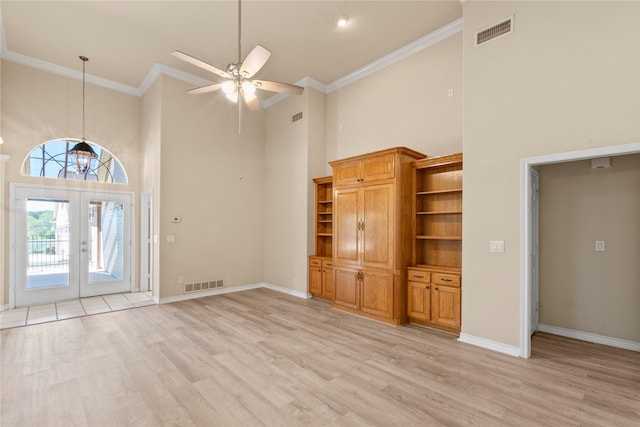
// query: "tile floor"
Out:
[72,308]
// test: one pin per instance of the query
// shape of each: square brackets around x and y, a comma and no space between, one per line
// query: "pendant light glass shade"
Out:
[82,151]
[84,154]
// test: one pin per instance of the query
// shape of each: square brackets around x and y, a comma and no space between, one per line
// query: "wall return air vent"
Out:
[500,29]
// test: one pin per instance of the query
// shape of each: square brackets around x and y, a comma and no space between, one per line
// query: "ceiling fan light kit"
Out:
[342,21]
[238,75]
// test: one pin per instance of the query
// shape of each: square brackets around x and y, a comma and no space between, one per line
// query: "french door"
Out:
[70,243]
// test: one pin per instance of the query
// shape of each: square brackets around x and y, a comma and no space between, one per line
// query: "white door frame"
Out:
[146,241]
[13,211]
[526,223]
[534,250]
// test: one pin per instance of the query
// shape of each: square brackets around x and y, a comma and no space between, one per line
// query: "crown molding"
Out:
[412,48]
[158,69]
[67,72]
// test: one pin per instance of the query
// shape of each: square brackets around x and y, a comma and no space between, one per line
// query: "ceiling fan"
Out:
[238,75]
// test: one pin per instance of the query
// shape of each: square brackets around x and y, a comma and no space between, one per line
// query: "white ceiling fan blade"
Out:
[252,103]
[201,64]
[204,89]
[254,61]
[278,87]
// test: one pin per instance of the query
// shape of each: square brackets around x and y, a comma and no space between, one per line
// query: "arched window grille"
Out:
[52,160]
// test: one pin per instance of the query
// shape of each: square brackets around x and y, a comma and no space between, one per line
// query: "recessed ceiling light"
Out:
[342,21]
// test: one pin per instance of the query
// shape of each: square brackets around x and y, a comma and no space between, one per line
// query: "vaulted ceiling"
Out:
[125,39]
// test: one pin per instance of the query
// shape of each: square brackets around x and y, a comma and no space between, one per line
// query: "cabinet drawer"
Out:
[419,276]
[315,262]
[327,263]
[445,279]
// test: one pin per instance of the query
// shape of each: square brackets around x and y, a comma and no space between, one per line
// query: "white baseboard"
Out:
[299,294]
[193,295]
[5,307]
[588,336]
[491,345]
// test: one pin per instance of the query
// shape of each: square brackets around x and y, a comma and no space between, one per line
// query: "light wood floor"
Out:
[263,358]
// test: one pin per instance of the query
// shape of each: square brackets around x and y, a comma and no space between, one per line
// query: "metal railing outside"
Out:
[45,255]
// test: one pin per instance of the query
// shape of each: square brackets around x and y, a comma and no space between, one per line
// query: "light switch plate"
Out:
[599,245]
[496,246]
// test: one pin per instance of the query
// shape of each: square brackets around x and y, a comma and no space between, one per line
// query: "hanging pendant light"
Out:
[82,151]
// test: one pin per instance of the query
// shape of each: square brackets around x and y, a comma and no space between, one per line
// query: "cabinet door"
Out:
[419,300]
[377,294]
[315,280]
[347,173]
[345,227]
[377,168]
[347,289]
[445,305]
[377,230]
[328,282]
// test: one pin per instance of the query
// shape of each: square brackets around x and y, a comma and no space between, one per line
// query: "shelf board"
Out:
[325,221]
[451,190]
[325,201]
[324,234]
[423,237]
[325,213]
[438,213]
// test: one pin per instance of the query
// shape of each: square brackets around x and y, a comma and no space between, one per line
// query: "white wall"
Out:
[286,193]
[202,158]
[406,104]
[567,78]
[38,106]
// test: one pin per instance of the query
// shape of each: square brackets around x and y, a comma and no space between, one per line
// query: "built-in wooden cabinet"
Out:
[321,275]
[372,233]
[364,219]
[434,292]
[364,170]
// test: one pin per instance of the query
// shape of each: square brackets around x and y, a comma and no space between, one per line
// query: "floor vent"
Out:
[203,286]
[500,29]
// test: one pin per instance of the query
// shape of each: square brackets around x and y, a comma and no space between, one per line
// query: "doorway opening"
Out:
[529,234]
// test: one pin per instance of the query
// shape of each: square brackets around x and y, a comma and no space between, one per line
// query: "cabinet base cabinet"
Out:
[347,289]
[419,301]
[367,293]
[321,279]
[377,294]
[433,299]
[445,307]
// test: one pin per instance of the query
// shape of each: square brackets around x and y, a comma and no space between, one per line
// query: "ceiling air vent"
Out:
[500,29]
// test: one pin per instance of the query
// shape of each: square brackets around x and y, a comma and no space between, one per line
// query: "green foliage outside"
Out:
[40,227]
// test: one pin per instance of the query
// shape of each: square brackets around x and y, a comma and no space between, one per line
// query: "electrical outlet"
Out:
[599,245]
[180,280]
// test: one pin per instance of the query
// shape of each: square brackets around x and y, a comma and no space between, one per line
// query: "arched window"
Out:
[53,160]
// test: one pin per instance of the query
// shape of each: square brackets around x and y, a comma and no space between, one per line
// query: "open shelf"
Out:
[438,212]
[324,216]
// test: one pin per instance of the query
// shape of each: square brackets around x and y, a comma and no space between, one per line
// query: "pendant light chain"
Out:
[84,63]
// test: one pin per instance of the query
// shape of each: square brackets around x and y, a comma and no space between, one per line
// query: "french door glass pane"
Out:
[106,245]
[47,243]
